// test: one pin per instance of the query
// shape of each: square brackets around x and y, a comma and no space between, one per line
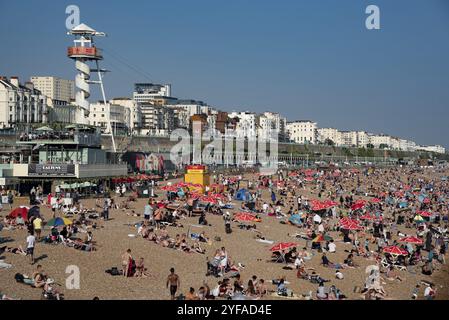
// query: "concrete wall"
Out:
[100,170]
[163,145]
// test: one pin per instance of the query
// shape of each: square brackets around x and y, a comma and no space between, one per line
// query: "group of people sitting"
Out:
[39,279]
[180,242]
[67,236]
[254,289]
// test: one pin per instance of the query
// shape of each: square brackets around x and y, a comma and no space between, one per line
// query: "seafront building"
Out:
[58,91]
[303,131]
[21,104]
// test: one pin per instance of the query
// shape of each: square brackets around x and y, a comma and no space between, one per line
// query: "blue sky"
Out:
[305,59]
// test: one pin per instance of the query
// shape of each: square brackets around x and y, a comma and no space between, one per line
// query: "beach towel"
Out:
[265,241]
[291,297]
[4,265]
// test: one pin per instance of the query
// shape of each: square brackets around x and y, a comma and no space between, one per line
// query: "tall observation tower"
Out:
[84,52]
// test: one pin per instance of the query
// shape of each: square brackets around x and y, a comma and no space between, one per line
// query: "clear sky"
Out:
[305,59]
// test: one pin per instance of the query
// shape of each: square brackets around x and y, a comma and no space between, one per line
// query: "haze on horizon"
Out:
[304,59]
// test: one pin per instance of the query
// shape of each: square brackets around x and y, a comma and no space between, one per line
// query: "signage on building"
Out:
[196,168]
[51,169]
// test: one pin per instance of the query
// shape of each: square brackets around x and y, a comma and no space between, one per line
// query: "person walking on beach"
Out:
[10,199]
[106,210]
[37,225]
[148,211]
[174,283]
[31,241]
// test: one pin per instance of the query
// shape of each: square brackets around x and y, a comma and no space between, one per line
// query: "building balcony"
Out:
[85,52]
[60,138]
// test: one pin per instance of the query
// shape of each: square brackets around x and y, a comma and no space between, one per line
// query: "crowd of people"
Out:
[393,221]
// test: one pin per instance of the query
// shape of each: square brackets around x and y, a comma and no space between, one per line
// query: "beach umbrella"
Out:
[44,129]
[20,211]
[283,245]
[169,188]
[357,206]
[88,184]
[243,216]
[309,172]
[375,200]
[403,205]
[330,203]
[351,225]
[399,194]
[318,206]
[367,216]
[425,214]
[56,222]
[209,199]
[395,250]
[414,240]
[34,212]
[418,218]
[345,220]
[295,219]
[322,238]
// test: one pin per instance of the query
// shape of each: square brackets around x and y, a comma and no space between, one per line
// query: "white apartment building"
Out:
[119,117]
[246,126]
[211,119]
[362,139]
[20,104]
[147,92]
[271,123]
[135,116]
[303,131]
[181,118]
[436,149]
[381,140]
[406,145]
[193,107]
[350,138]
[56,89]
[358,139]
[395,143]
[330,134]
[156,120]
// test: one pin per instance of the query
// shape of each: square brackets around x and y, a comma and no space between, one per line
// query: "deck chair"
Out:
[400,267]
[385,263]
[280,257]
[65,242]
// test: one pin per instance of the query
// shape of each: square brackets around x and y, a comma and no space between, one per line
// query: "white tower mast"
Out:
[84,51]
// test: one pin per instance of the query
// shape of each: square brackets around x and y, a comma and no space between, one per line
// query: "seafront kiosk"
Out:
[197,174]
